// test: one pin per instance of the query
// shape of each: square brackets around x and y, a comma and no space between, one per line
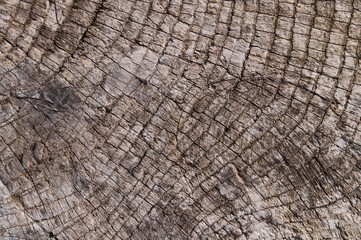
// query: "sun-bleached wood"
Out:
[180,119]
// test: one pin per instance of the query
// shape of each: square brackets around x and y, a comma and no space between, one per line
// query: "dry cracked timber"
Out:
[180,119]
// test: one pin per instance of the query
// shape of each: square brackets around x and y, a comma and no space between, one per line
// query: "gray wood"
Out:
[193,119]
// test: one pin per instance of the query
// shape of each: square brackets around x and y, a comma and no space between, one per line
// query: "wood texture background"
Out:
[180,119]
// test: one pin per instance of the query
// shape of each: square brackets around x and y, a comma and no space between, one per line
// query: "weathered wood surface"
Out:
[180,119]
